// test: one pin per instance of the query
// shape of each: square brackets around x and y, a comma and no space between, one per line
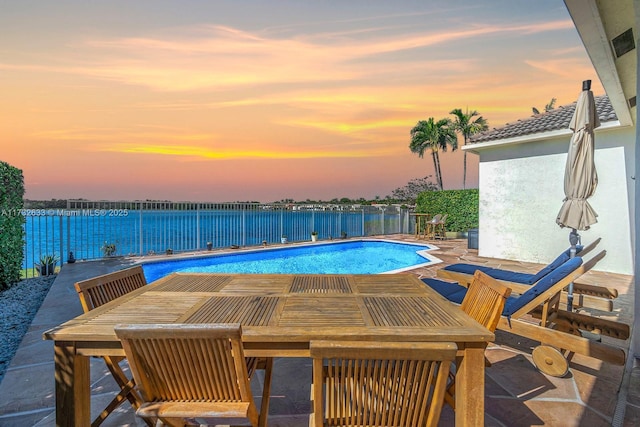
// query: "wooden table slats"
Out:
[149,308]
[321,284]
[253,311]
[261,284]
[407,311]
[326,311]
[193,283]
[395,283]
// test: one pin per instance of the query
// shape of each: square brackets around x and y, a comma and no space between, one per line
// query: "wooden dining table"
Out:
[280,315]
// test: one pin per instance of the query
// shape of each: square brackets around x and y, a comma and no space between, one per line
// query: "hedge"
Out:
[460,205]
[11,224]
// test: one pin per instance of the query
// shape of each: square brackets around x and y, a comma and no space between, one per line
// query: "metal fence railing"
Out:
[93,229]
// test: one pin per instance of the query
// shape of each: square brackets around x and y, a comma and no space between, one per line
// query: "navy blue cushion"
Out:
[513,276]
[467,268]
[496,273]
[451,291]
[562,258]
[514,304]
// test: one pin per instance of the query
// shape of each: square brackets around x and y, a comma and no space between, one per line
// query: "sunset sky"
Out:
[264,100]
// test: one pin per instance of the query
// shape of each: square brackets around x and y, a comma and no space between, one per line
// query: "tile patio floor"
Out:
[517,394]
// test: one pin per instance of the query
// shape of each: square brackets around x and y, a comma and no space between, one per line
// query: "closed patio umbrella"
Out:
[580,176]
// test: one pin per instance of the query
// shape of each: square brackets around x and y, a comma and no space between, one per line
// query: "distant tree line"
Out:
[45,204]
[402,195]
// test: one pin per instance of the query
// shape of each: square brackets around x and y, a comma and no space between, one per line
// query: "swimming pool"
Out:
[353,257]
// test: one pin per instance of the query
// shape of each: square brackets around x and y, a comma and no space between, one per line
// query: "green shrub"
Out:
[11,221]
[461,206]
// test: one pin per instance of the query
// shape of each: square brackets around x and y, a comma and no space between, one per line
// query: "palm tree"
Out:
[464,124]
[436,136]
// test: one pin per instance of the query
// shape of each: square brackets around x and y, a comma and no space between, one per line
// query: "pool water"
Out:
[354,257]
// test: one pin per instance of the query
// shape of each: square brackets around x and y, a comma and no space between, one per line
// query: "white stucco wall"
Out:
[521,192]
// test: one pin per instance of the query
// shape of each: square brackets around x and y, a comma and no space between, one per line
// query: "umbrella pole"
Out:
[574,239]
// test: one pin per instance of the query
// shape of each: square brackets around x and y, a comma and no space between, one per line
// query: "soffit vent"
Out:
[632,102]
[623,43]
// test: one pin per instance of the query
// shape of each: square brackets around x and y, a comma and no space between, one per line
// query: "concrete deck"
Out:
[517,394]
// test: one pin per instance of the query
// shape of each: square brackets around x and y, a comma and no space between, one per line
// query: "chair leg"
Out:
[171,422]
[266,393]
[450,392]
[127,392]
[122,380]
[115,402]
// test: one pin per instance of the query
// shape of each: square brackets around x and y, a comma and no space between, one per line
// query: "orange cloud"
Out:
[228,154]
[223,57]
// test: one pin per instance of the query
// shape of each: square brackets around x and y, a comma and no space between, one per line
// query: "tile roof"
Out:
[556,119]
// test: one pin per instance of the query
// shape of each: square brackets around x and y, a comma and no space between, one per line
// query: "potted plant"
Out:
[209,246]
[343,234]
[283,239]
[47,265]
[108,249]
[314,236]
[169,251]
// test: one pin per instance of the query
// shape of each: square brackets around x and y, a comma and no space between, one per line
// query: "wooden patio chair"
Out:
[430,228]
[440,228]
[585,295]
[385,384]
[484,302]
[188,373]
[559,331]
[100,290]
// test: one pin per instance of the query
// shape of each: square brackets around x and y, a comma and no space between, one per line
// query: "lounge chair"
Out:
[557,329]
[592,296]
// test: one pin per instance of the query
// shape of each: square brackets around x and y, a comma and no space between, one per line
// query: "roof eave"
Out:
[587,20]
[541,136]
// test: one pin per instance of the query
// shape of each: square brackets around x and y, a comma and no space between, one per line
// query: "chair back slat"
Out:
[436,219]
[485,300]
[379,383]
[100,290]
[187,382]
[199,366]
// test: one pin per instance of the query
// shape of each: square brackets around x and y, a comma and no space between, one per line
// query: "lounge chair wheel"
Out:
[550,361]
